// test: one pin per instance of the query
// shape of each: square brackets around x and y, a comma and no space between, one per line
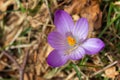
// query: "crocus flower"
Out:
[70,40]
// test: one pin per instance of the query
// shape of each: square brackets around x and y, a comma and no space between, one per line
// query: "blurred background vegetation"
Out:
[25,24]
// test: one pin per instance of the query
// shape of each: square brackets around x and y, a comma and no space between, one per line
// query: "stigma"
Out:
[71,41]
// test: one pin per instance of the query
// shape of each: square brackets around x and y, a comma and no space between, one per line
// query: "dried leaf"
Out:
[14,29]
[1,66]
[76,6]
[40,18]
[3,62]
[75,17]
[89,9]
[111,72]
[28,76]
[93,14]
[3,7]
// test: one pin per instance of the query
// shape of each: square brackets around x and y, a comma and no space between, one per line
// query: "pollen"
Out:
[71,41]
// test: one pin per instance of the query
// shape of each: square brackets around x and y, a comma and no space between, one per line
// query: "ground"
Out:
[25,25]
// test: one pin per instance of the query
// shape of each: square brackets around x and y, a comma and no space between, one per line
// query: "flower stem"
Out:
[77,70]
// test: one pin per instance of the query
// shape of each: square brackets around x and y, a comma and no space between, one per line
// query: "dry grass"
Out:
[25,24]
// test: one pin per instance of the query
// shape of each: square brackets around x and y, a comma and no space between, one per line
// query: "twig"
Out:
[22,46]
[46,2]
[61,4]
[25,60]
[45,25]
[70,75]
[104,68]
[20,68]
[11,58]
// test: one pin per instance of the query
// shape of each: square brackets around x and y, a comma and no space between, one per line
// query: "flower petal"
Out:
[93,45]
[58,41]
[80,30]
[63,21]
[77,53]
[57,58]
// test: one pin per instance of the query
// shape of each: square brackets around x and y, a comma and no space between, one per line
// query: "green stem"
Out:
[109,21]
[77,71]
[112,21]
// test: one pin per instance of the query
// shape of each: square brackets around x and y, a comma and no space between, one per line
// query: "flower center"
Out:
[71,41]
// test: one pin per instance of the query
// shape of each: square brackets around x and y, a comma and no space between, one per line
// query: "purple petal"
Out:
[57,58]
[80,30]
[58,41]
[63,21]
[77,53]
[93,45]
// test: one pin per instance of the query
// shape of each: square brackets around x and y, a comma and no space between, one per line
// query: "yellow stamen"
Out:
[71,41]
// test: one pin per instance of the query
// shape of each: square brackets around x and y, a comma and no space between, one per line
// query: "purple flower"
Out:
[70,40]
